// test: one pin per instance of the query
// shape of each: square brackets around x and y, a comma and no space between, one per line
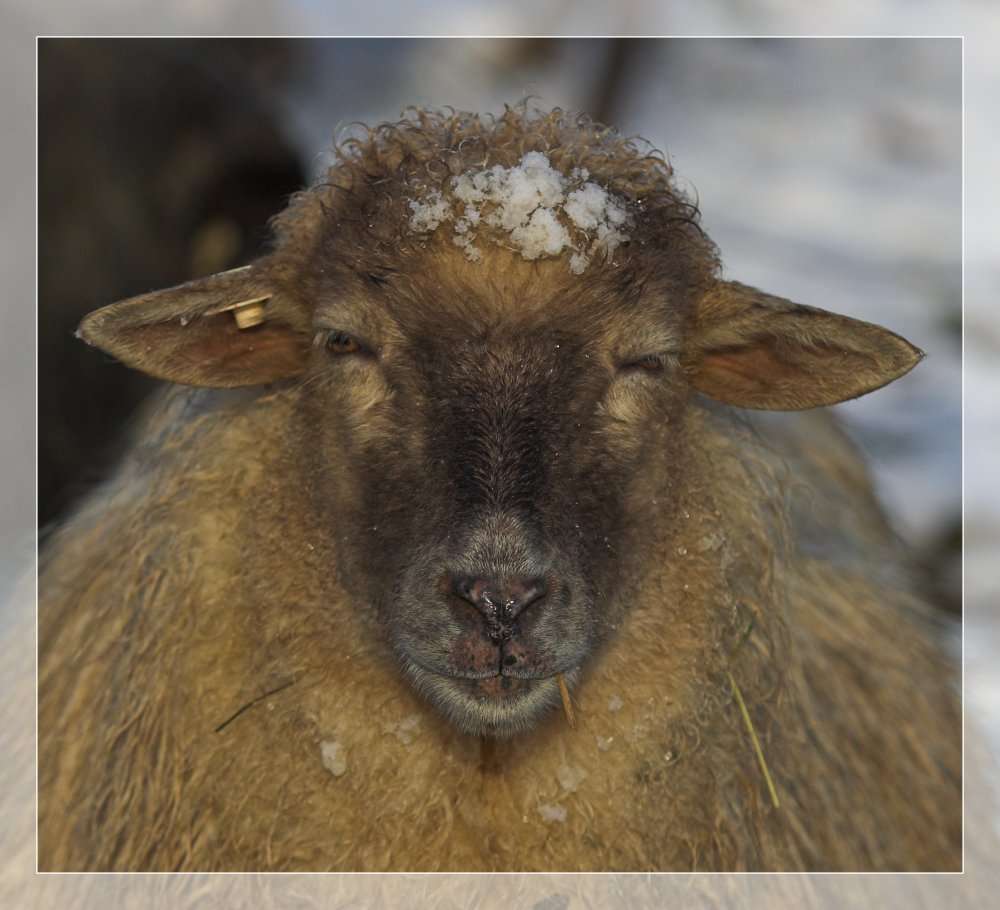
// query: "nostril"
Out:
[468,587]
[499,601]
[524,593]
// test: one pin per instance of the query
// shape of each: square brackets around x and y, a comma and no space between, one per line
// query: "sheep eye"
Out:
[341,343]
[652,363]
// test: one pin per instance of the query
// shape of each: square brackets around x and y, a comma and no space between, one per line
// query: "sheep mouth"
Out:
[499,687]
[499,704]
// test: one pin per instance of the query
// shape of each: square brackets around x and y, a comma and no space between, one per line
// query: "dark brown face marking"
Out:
[494,455]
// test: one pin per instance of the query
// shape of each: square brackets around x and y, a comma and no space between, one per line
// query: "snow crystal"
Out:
[543,235]
[588,207]
[428,215]
[405,730]
[334,757]
[532,208]
[552,813]
[570,777]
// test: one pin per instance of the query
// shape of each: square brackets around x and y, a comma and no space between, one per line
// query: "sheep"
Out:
[484,444]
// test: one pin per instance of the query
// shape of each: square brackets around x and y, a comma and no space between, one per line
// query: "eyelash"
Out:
[338,343]
[651,363]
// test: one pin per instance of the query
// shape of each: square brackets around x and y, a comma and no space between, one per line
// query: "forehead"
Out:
[531,207]
[441,294]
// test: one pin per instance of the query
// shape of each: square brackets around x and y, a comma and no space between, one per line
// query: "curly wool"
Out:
[375,178]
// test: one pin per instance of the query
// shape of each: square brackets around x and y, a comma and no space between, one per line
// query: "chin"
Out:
[498,706]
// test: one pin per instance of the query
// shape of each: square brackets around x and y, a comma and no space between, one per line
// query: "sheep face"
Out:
[481,449]
[489,438]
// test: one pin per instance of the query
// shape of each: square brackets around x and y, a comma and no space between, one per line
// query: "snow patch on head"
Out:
[543,235]
[428,215]
[531,208]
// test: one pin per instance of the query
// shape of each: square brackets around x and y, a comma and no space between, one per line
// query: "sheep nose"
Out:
[499,602]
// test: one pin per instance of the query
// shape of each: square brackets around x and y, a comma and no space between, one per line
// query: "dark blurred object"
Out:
[158,161]
[612,64]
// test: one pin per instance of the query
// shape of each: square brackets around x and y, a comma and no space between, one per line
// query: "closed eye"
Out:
[649,363]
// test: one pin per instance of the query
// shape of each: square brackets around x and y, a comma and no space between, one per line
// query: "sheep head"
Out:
[483,404]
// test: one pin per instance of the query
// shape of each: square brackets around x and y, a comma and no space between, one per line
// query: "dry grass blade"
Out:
[746,714]
[753,738]
[566,703]
[251,703]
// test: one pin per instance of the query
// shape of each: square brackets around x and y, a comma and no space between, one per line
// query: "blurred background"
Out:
[829,171]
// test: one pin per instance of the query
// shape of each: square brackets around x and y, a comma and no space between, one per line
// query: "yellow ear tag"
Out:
[247,313]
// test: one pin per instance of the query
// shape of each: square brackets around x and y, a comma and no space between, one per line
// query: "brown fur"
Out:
[236,604]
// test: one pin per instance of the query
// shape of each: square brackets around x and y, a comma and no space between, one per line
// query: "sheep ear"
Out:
[754,350]
[231,329]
